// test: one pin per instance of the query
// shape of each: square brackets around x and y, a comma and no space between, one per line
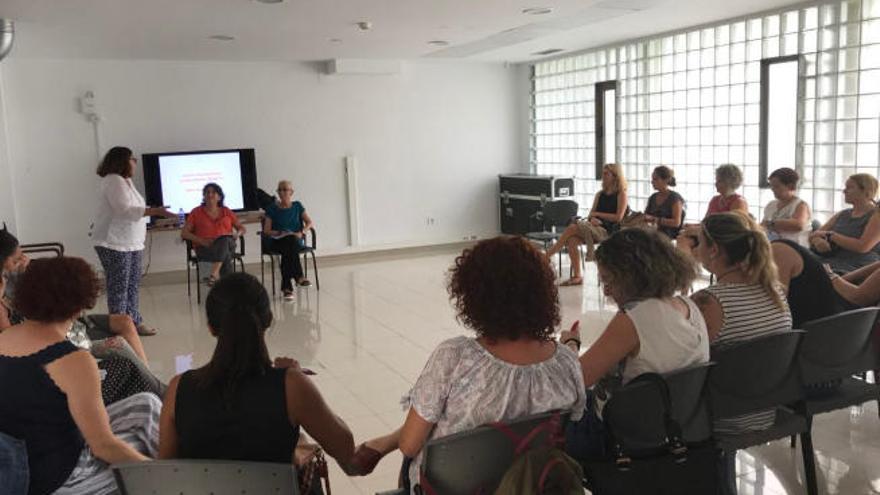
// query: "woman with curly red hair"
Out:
[51,389]
[504,289]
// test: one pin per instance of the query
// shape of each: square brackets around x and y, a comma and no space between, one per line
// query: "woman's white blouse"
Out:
[119,222]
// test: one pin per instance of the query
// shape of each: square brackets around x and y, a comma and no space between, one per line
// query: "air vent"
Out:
[549,51]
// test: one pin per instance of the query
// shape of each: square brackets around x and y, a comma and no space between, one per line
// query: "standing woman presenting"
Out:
[118,232]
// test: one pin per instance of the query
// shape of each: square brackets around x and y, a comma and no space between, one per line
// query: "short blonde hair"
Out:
[867,183]
[730,175]
[282,183]
[616,171]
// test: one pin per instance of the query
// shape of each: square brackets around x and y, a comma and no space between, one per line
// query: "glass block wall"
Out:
[691,100]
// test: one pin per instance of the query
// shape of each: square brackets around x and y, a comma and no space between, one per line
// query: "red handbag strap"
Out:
[546,472]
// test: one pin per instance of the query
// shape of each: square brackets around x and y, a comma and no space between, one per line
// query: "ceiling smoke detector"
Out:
[222,37]
[537,10]
[364,25]
[438,43]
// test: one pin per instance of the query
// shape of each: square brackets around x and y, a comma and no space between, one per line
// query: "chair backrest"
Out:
[838,346]
[476,460]
[559,213]
[755,375]
[52,248]
[187,477]
[635,411]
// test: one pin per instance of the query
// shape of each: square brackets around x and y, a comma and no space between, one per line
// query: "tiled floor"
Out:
[369,330]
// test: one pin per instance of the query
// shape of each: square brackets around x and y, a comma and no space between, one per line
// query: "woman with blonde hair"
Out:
[610,206]
[284,230]
[851,238]
[746,301]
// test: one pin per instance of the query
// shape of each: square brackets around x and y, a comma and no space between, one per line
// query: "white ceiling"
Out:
[310,30]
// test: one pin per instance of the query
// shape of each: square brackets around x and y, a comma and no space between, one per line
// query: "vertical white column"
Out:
[8,210]
[352,189]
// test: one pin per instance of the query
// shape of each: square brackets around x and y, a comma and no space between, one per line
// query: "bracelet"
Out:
[572,339]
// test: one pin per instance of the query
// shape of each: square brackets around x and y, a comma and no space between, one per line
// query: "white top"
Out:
[668,340]
[119,222]
[464,386]
[773,212]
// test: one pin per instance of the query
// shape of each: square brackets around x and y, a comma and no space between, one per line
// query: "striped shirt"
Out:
[747,312]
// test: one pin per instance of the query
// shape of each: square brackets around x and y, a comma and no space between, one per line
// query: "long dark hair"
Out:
[239,313]
[8,245]
[116,161]
[217,189]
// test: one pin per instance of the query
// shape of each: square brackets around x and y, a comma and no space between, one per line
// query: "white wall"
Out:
[428,142]
[7,202]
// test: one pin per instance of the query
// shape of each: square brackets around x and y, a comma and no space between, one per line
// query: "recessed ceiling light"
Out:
[222,37]
[438,43]
[537,10]
[335,40]
[549,51]
[271,1]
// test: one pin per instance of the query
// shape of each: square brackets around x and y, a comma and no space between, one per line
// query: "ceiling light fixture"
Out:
[222,37]
[537,10]
[549,51]
[335,40]
[438,43]
[271,2]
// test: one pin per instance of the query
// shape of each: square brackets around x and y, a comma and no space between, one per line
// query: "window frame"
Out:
[764,127]
[599,120]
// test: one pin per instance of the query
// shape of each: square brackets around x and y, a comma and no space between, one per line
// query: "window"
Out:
[692,100]
[606,125]
[779,110]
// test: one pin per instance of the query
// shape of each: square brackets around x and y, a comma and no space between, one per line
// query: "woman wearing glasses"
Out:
[284,231]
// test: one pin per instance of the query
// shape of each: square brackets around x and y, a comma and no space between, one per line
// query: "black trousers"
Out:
[291,267]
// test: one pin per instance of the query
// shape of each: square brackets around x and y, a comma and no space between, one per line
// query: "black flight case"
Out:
[523,195]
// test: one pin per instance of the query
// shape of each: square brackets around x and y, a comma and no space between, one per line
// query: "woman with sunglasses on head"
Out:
[284,231]
[118,232]
[209,228]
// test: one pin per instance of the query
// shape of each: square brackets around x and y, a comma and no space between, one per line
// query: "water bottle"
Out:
[181,218]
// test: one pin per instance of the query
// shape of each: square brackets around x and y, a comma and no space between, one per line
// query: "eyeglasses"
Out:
[285,190]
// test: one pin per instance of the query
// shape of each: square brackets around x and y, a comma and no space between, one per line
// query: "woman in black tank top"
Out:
[809,290]
[239,406]
[609,208]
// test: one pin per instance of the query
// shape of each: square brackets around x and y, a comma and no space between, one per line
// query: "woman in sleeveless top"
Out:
[814,291]
[52,390]
[728,178]
[851,239]
[665,207]
[609,208]
[787,216]
[654,331]
[746,300]
[239,406]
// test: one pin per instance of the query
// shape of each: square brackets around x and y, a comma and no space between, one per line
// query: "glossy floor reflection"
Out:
[369,330]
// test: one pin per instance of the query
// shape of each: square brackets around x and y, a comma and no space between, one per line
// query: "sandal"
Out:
[303,282]
[572,281]
[364,460]
[145,331]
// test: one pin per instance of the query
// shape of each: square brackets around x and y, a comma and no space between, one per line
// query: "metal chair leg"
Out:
[315,266]
[272,259]
[188,282]
[809,462]
[198,283]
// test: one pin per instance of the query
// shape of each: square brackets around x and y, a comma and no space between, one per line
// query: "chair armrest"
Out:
[44,247]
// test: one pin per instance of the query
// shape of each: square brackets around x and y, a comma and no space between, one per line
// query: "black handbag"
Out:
[675,468]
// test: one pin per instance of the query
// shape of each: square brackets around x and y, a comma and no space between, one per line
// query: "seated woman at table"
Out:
[285,226]
[665,207]
[209,228]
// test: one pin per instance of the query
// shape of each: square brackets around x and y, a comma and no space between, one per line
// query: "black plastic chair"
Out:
[198,477]
[308,249]
[54,248]
[654,453]
[192,261]
[476,460]
[757,375]
[834,349]
[555,216]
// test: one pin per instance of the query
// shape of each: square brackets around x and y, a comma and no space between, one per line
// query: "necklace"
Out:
[728,272]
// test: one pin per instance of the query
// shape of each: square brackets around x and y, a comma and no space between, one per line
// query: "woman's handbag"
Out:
[311,467]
